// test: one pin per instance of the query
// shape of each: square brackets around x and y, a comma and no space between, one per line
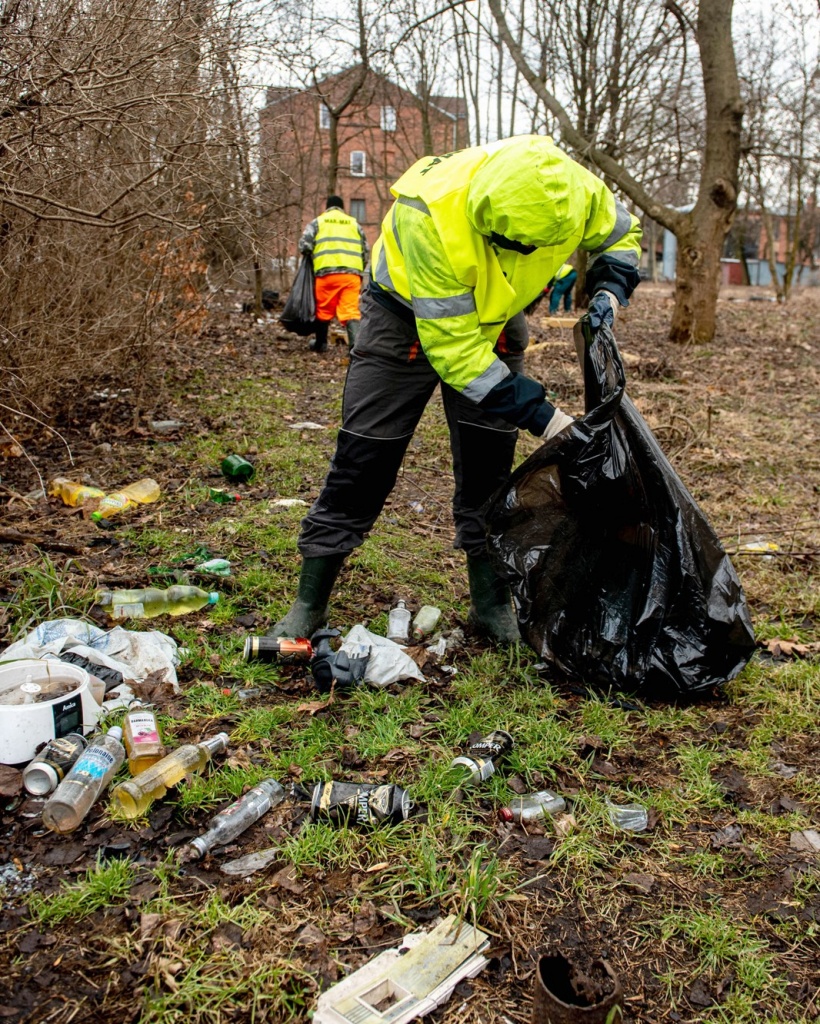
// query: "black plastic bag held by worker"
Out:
[299,314]
[618,578]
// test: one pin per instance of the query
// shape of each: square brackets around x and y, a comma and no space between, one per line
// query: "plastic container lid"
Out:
[213,597]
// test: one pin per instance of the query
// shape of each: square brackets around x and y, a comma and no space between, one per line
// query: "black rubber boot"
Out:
[319,343]
[352,332]
[491,611]
[309,611]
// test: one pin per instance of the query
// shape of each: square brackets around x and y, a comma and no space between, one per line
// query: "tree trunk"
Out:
[702,232]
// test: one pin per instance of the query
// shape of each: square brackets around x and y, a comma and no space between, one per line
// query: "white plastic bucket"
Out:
[39,701]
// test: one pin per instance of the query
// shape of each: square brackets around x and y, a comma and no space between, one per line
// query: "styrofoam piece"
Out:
[409,981]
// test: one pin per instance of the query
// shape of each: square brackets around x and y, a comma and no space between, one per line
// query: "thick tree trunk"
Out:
[702,232]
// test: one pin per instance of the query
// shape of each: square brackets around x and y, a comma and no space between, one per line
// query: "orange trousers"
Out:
[338,295]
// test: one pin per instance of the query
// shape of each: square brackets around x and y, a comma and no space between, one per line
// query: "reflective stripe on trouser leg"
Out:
[483,450]
[383,402]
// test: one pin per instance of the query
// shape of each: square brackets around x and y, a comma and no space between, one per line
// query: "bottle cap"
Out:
[213,597]
[505,814]
[216,743]
[40,779]
[96,516]
[115,731]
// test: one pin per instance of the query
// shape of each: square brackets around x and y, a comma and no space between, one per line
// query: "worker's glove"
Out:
[557,423]
[602,309]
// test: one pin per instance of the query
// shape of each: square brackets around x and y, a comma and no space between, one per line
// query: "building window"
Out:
[357,210]
[324,116]
[388,119]
[357,163]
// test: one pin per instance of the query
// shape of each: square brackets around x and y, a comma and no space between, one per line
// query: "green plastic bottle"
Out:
[149,602]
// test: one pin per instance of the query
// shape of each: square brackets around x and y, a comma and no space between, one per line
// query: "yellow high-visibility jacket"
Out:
[337,242]
[457,245]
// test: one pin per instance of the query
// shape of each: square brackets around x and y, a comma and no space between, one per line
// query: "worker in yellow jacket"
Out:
[467,244]
[338,247]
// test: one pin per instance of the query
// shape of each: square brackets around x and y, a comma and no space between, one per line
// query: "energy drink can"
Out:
[277,648]
[352,803]
[48,769]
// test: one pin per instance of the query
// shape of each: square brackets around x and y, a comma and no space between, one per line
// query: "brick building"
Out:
[383,130]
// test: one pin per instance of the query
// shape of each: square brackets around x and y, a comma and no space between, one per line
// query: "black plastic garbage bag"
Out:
[299,314]
[618,578]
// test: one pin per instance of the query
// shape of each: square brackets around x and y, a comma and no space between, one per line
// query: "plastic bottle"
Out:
[398,622]
[77,793]
[143,492]
[48,769]
[149,602]
[533,806]
[135,796]
[228,824]
[143,744]
[71,493]
[425,620]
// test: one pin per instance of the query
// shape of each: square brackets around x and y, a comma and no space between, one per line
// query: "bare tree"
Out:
[700,231]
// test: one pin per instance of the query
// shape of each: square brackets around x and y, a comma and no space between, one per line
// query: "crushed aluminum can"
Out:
[353,803]
[494,745]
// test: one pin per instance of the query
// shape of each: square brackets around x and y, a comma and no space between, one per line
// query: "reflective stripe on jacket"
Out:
[473,236]
[337,243]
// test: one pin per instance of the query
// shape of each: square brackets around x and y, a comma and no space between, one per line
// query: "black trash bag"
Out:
[299,314]
[617,577]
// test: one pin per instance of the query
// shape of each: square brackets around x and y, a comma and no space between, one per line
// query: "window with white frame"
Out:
[388,119]
[358,163]
[324,116]
[357,210]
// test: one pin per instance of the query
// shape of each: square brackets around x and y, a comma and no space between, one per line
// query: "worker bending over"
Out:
[467,244]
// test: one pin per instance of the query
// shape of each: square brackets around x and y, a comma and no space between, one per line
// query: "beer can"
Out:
[277,648]
[48,769]
[353,803]
[494,745]
[471,771]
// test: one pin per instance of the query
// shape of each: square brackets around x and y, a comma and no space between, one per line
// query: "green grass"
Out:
[103,886]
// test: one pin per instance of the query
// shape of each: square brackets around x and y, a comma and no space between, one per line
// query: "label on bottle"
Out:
[143,727]
[128,611]
[95,762]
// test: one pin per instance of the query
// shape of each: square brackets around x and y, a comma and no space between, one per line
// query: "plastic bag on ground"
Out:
[299,314]
[135,655]
[388,662]
[617,576]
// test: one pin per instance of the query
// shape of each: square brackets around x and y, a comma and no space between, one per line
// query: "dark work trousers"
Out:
[389,383]
[563,290]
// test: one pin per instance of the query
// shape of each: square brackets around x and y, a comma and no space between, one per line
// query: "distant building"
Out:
[745,253]
[383,131]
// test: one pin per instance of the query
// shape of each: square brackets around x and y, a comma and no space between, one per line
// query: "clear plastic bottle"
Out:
[425,620]
[143,492]
[149,602]
[77,793]
[72,493]
[398,622]
[143,743]
[133,797]
[241,814]
[533,806]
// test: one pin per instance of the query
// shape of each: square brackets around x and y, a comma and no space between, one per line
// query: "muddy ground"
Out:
[739,421]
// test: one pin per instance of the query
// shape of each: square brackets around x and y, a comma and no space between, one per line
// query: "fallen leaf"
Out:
[313,707]
[807,841]
[11,781]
